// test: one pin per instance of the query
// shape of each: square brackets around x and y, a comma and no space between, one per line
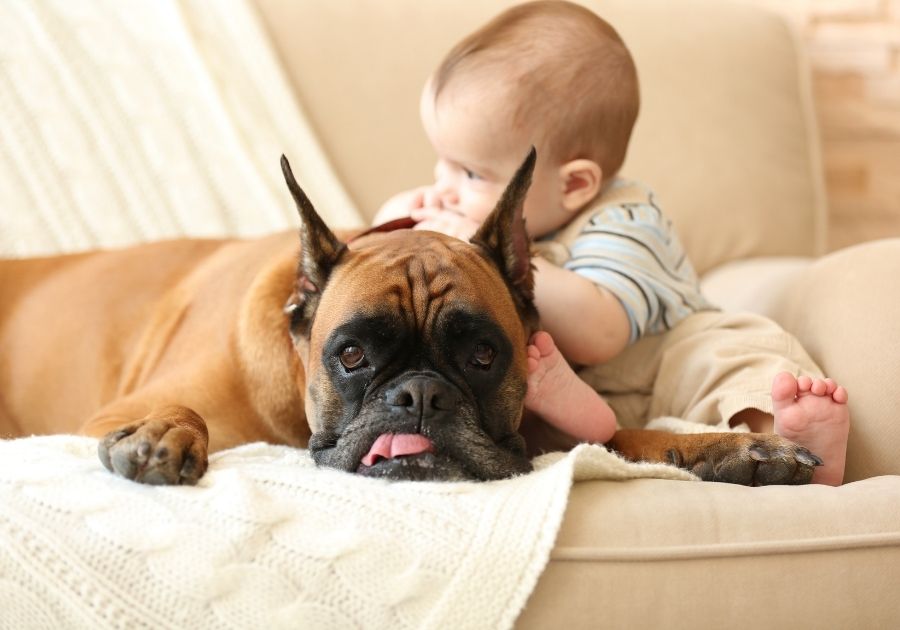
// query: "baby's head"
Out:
[549,74]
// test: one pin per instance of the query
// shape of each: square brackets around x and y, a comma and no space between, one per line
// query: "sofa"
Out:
[727,137]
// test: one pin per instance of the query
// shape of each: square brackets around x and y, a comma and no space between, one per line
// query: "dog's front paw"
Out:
[166,448]
[754,459]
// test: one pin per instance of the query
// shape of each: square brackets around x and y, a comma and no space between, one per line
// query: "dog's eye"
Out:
[483,356]
[352,357]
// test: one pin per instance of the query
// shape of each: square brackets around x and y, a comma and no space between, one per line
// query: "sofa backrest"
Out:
[726,134]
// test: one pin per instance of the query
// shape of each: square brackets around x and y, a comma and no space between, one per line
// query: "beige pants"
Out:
[708,368]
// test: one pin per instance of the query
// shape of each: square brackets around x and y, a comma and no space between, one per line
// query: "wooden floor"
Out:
[854,50]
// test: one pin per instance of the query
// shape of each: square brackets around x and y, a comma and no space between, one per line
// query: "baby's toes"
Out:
[818,387]
[840,395]
[803,384]
[543,343]
[830,386]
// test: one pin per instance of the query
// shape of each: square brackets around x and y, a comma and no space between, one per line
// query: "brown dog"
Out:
[401,355]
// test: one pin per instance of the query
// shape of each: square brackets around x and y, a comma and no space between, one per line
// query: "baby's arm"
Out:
[587,322]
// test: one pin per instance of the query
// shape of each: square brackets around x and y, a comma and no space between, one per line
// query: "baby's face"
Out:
[479,150]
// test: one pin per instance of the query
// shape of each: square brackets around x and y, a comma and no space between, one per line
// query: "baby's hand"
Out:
[445,221]
[401,205]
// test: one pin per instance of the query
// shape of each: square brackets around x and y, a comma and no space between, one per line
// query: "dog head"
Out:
[414,344]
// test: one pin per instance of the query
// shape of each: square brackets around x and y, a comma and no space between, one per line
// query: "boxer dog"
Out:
[399,355]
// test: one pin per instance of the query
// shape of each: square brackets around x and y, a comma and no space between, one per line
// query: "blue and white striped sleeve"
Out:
[632,251]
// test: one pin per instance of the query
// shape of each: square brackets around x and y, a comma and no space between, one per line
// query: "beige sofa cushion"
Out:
[839,307]
[667,554]
[725,136]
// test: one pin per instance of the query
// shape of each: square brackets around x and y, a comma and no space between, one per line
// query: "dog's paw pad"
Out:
[156,452]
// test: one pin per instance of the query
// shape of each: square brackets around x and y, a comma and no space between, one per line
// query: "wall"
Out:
[854,51]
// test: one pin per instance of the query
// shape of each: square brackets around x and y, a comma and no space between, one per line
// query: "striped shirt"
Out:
[631,250]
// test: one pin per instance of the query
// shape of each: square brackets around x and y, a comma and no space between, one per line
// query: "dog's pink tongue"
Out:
[390,445]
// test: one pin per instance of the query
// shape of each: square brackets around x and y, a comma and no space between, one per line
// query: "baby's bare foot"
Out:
[560,398]
[814,414]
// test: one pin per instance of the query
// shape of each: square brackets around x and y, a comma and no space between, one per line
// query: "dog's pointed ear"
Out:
[503,233]
[320,251]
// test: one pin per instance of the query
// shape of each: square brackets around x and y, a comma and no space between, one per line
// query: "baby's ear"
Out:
[580,181]
[503,234]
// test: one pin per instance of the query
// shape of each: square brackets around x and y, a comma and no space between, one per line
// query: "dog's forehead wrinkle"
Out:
[429,284]
[420,275]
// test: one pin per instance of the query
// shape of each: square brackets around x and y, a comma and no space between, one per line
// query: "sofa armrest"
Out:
[757,285]
[844,308]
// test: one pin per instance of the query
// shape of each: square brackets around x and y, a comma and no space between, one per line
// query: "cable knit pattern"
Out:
[131,121]
[267,540]
[136,120]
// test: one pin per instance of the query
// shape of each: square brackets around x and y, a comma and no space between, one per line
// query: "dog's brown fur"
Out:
[187,341]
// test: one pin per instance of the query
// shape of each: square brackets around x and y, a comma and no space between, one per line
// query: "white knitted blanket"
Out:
[267,540]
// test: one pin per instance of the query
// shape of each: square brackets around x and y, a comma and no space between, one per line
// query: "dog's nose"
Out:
[423,396]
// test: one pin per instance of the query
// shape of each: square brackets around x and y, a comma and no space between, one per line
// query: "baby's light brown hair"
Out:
[572,81]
